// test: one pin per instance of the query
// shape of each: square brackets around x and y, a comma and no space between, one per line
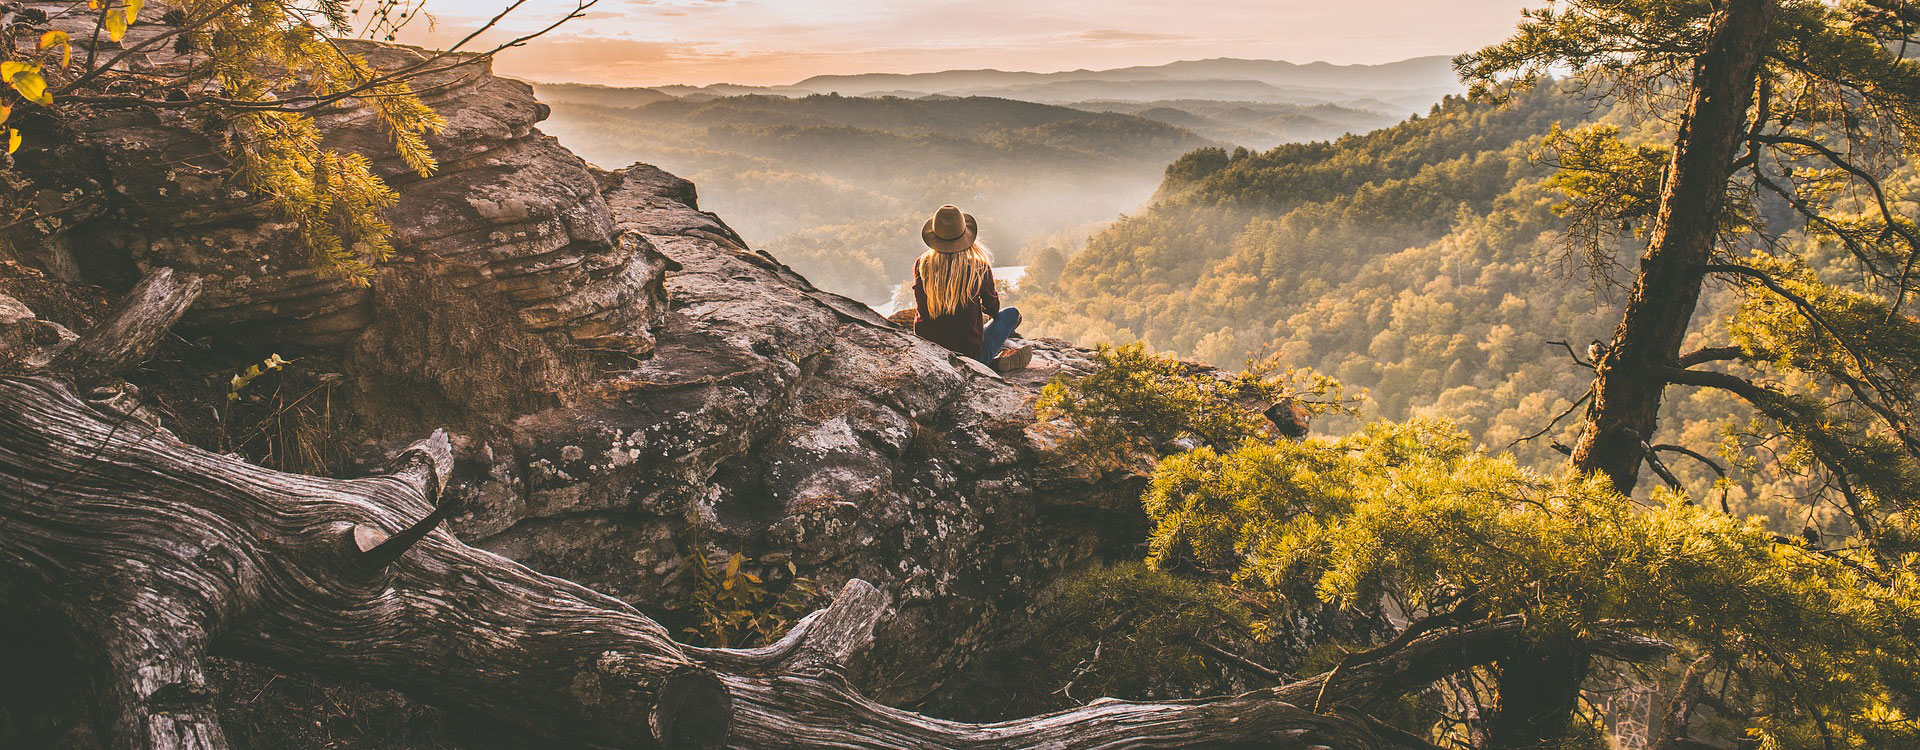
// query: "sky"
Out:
[774,42]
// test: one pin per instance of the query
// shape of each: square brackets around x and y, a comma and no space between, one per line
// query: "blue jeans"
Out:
[996,333]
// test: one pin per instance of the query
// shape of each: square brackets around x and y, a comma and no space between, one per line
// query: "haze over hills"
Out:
[1399,88]
[1219,79]
[1254,125]
[838,186]
[833,174]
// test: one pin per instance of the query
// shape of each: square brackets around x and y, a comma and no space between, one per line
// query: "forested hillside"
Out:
[838,186]
[1256,124]
[1422,262]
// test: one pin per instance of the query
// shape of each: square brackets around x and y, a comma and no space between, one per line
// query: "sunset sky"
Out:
[762,42]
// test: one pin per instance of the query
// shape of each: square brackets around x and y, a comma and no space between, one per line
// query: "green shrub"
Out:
[1136,403]
[1130,631]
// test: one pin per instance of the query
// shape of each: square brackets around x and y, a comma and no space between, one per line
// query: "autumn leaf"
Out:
[127,18]
[13,140]
[25,79]
[52,38]
[116,25]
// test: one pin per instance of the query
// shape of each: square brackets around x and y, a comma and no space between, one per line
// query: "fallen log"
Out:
[156,554]
[125,339]
[151,555]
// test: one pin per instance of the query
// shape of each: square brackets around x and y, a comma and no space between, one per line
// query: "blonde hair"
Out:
[950,279]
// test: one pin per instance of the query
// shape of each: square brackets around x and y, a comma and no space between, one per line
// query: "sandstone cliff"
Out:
[627,383]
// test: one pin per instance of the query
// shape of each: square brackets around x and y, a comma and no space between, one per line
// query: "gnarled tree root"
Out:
[154,553]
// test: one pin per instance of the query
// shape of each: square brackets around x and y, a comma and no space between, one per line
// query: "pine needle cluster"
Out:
[255,51]
[1135,402]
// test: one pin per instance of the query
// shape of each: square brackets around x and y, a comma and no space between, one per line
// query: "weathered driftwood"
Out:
[136,327]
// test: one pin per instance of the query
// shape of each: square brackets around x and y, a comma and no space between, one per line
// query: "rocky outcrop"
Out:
[628,384]
[510,236]
[799,426]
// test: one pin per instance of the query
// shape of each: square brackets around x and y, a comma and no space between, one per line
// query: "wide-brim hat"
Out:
[950,230]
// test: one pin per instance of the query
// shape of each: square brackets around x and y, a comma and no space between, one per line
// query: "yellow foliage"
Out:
[116,25]
[60,38]
[267,62]
[246,377]
[26,80]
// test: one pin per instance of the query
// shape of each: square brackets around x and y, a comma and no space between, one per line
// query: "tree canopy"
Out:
[1746,185]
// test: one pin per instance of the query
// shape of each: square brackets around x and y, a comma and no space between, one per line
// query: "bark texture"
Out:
[1627,394]
[126,339]
[156,554]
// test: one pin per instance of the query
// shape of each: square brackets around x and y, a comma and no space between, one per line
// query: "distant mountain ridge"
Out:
[1434,71]
[1396,88]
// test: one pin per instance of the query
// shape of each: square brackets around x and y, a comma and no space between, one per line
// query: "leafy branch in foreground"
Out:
[1799,643]
[1135,402]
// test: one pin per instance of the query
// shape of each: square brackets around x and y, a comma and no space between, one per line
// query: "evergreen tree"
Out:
[1811,102]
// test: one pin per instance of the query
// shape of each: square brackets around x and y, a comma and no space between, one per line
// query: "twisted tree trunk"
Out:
[1632,373]
[1539,690]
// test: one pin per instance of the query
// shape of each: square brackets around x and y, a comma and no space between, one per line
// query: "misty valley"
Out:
[833,175]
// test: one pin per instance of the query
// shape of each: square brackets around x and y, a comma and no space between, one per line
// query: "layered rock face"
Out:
[800,426]
[628,383]
[510,236]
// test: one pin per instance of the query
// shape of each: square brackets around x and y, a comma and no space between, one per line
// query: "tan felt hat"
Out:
[950,230]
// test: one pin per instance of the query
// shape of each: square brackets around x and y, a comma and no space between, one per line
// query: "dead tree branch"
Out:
[136,327]
[158,553]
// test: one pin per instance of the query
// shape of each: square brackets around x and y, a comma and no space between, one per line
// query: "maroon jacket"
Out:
[961,331]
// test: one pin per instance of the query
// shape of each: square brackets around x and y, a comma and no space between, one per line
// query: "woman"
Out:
[953,288]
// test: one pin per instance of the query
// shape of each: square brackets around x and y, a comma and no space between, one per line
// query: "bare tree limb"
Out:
[1671,732]
[94,71]
[1584,397]
[1660,468]
[1868,393]
[308,102]
[1710,354]
[135,328]
[248,562]
[1240,661]
[1776,406]
[1693,454]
